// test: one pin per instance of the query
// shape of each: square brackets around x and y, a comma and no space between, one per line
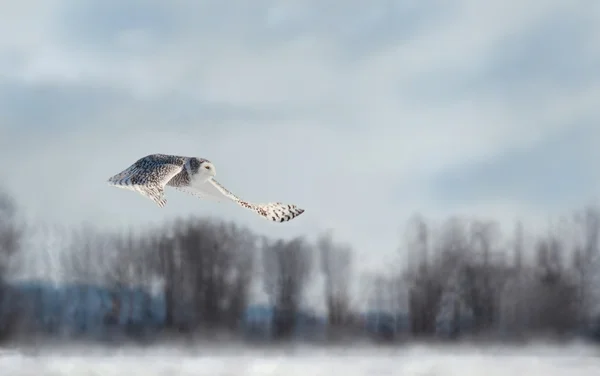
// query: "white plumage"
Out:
[149,176]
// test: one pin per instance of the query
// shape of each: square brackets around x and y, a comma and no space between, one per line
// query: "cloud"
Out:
[530,174]
[362,113]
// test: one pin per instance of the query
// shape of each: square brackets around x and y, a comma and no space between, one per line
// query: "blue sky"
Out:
[363,113]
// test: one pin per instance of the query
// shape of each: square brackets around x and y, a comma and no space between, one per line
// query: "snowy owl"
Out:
[195,176]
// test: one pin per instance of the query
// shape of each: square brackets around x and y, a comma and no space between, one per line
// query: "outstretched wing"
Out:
[274,211]
[203,194]
[147,177]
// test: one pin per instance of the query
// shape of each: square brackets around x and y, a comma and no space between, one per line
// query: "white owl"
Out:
[149,176]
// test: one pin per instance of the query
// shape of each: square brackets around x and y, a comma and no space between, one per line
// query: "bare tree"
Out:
[168,270]
[513,295]
[208,260]
[287,266]
[484,277]
[555,310]
[336,262]
[242,244]
[518,247]
[208,265]
[85,261]
[418,243]
[133,257]
[454,257]
[11,231]
[425,286]
[11,234]
[586,262]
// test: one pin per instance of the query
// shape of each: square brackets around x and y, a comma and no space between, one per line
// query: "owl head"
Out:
[206,170]
[200,170]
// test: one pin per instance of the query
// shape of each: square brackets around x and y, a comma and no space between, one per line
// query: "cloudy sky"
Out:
[361,112]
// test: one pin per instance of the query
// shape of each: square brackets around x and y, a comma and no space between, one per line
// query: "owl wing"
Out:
[147,178]
[213,190]
[200,193]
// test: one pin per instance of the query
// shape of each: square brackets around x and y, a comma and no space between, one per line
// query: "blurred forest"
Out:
[459,279]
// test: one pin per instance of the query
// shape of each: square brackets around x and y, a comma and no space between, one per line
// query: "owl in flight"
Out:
[150,174]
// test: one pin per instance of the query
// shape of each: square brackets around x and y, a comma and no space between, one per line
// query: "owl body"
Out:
[149,176]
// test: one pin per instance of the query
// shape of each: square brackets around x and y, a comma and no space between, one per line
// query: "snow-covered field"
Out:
[415,360]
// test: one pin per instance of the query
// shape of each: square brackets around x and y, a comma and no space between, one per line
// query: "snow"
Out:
[236,361]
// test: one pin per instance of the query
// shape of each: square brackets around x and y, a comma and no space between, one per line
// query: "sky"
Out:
[362,113]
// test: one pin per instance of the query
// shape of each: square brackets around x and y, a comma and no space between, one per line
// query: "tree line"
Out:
[461,277]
